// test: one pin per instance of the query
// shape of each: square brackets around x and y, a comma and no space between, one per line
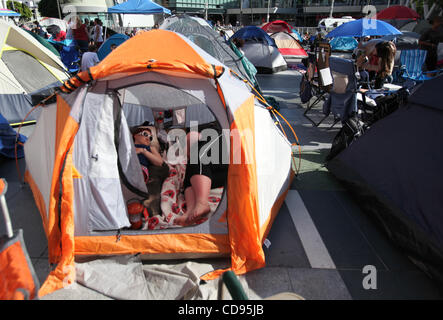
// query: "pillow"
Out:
[340,82]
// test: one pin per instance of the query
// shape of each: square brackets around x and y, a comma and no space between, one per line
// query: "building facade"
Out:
[253,12]
[296,12]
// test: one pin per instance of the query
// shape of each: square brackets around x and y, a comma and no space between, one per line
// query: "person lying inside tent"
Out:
[202,175]
[155,170]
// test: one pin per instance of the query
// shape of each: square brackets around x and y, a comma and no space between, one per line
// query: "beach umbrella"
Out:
[398,16]
[397,13]
[8,13]
[406,41]
[363,27]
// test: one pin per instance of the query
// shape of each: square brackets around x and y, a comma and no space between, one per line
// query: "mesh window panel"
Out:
[30,73]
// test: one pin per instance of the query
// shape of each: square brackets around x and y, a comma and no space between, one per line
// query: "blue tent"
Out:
[7,140]
[363,27]
[343,44]
[138,7]
[255,34]
[105,48]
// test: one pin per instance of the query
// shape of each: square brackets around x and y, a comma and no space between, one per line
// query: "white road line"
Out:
[312,242]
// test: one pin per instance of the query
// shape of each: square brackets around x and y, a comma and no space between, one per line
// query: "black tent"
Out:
[395,171]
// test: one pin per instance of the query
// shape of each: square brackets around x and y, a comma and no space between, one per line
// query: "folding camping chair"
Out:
[342,99]
[319,76]
[17,276]
[412,64]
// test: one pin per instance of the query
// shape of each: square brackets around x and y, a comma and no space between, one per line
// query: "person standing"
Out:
[429,41]
[98,33]
[80,35]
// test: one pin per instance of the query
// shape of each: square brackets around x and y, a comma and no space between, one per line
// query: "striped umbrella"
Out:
[9,13]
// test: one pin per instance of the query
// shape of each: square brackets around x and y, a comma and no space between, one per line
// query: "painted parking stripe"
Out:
[312,242]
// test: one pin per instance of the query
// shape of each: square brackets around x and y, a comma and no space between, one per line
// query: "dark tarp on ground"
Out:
[395,171]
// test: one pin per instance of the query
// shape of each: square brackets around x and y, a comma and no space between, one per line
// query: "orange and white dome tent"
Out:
[81,157]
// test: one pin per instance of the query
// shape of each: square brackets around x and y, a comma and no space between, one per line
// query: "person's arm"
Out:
[96,33]
[154,156]
[427,44]
[371,67]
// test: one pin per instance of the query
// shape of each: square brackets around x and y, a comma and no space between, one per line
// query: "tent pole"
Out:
[106,29]
[59,11]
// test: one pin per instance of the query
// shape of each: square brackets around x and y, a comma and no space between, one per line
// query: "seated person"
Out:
[153,166]
[200,178]
[378,59]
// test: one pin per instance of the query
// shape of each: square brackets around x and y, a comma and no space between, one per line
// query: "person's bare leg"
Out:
[190,203]
[201,185]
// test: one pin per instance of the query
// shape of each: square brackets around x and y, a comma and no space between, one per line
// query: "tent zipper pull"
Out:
[118,235]
[95,157]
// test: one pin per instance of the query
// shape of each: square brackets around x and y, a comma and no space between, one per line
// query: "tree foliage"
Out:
[48,8]
[419,6]
[21,8]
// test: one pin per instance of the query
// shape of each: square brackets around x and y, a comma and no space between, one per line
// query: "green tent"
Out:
[44,42]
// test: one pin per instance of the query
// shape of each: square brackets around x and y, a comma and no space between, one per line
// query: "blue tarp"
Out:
[138,7]
[105,48]
[343,44]
[254,33]
[7,140]
[66,42]
[70,58]
[299,38]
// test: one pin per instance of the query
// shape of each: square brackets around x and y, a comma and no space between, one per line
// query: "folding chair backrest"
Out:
[413,61]
[343,73]
[322,55]
[342,100]
[312,66]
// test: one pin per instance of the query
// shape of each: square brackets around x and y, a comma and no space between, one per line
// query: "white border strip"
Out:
[311,240]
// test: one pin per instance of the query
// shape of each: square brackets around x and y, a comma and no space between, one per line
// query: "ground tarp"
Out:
[127,278]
